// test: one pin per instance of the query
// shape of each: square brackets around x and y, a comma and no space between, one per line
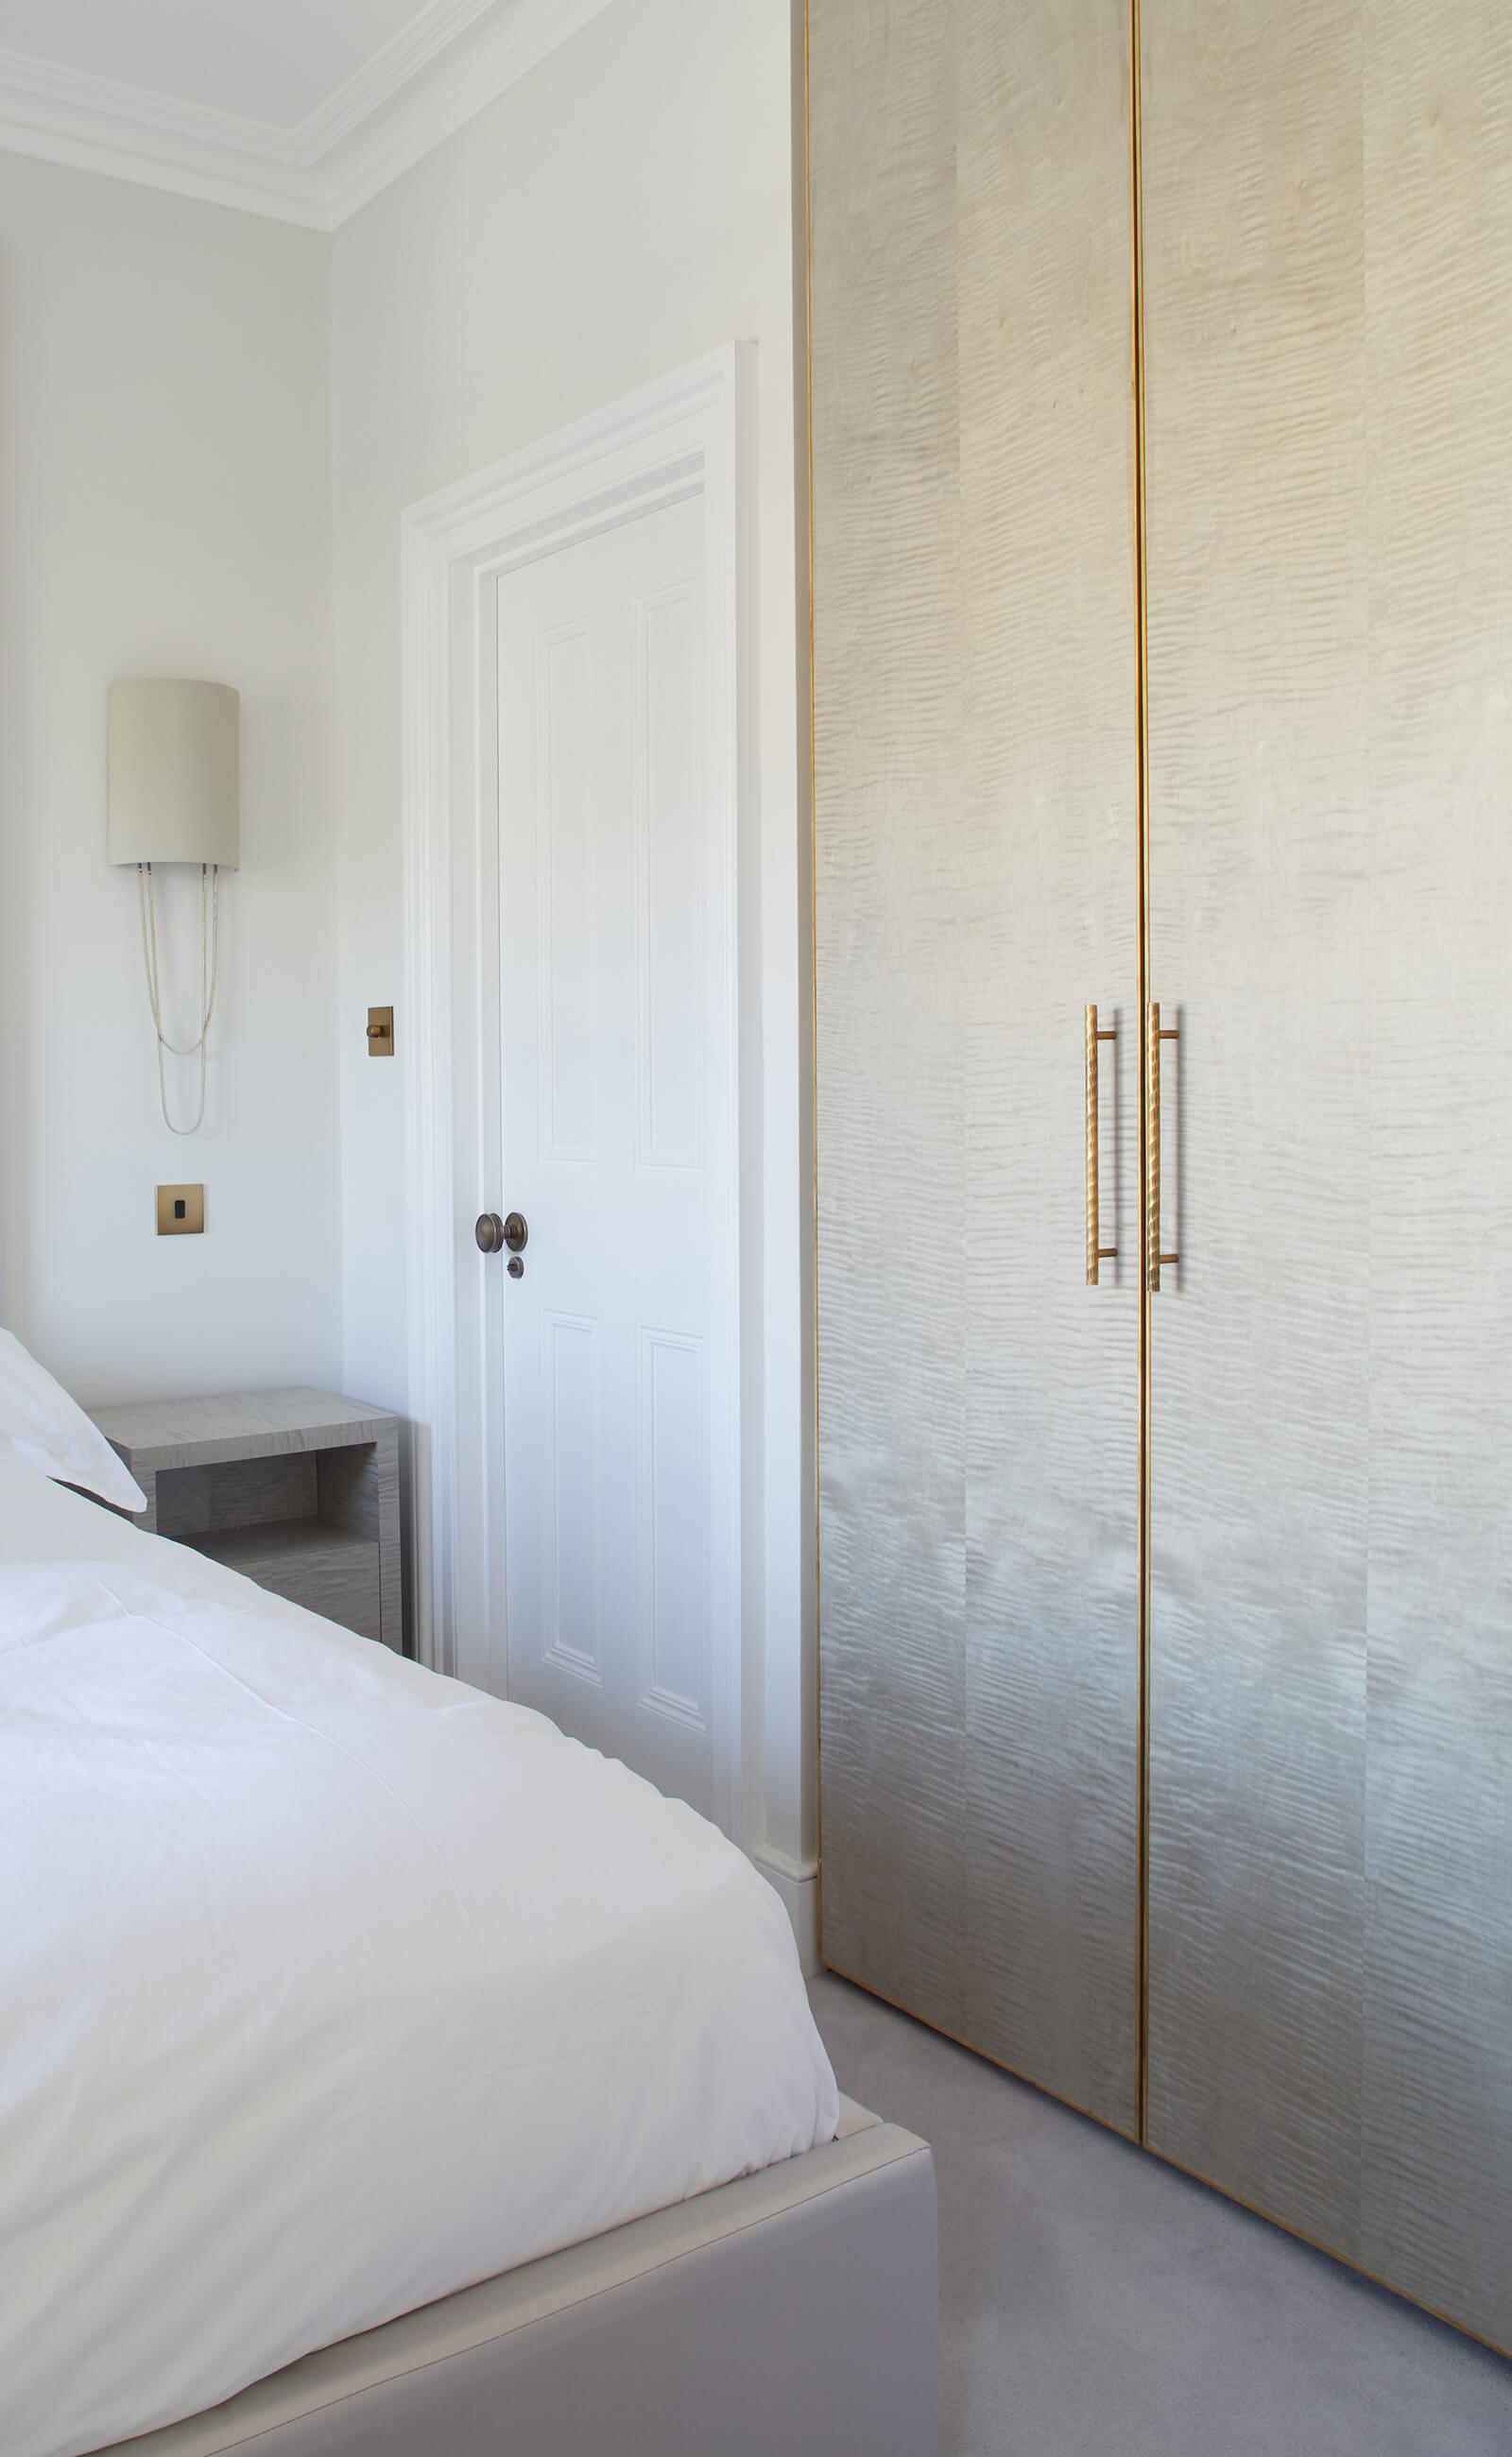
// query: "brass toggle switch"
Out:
[180,1210]
[380,1032]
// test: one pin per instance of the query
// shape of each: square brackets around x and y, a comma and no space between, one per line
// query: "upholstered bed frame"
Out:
[792,2311]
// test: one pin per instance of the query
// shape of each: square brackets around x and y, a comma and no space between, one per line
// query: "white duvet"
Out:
[327,1986]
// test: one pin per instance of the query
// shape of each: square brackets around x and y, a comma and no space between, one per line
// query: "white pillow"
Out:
[41,1424]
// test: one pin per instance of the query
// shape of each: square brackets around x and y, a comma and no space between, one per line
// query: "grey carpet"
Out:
[1095,2303]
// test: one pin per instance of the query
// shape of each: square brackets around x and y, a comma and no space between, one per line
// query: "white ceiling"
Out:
[303,109]
[273,60]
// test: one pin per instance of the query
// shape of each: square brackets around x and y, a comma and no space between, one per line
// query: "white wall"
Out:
[164,508]
[624,210]
[177,383]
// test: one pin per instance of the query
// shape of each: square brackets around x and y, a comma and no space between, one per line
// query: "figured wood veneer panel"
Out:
[326,1569]
[358,1492]
[349,1488]
[1048,734]
[1258,882]
[973,730]
[237,1492]
[154,1434]
[892,889]
[1438,2172]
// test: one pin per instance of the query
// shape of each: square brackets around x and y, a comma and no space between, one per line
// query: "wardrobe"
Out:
[1161,499]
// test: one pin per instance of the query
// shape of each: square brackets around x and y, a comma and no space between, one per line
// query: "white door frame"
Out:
[688,434]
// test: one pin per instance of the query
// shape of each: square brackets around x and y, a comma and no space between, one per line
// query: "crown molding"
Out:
[124,132]
[476,66]
[382,79]
[451,60]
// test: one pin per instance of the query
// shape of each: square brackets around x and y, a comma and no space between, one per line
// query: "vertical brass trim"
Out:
[814,959]
[1142,995]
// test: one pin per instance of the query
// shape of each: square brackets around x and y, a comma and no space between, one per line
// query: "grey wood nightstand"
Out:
[295,1489]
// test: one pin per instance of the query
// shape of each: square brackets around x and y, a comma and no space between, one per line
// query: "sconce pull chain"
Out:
[209,973]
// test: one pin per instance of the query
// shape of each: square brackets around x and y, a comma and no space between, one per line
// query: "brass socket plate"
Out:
[380,1032]
[181,1212]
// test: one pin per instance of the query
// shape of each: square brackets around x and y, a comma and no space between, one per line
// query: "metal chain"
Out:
[209,975]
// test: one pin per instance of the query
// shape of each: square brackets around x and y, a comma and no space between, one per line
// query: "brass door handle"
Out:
[493,1233]
[1095,1253]
[1153,1257]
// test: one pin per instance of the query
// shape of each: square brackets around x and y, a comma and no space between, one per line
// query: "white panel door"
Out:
[617,1339]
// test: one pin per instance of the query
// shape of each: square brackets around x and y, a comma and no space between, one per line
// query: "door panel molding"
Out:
[659,1602]
[689,434]
[570,1539]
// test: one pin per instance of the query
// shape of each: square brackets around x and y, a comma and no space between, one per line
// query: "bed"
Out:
[381,2070]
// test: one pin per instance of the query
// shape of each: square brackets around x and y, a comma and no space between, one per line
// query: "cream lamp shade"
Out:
[174,773]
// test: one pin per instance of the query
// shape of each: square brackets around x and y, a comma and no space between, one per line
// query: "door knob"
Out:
[492,1232]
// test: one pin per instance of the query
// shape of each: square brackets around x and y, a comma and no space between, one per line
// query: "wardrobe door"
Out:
[974,713]
[1259,902]
[1437,2169]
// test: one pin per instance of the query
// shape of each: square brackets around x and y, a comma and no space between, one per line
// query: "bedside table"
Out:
[295,1489]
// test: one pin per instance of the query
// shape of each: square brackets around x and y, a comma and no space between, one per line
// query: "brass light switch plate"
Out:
[380,1032]
[181,1212]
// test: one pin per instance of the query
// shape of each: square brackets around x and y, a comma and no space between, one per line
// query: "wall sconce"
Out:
[174,796]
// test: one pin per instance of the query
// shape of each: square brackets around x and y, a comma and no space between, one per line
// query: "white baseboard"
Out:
[797,1884]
